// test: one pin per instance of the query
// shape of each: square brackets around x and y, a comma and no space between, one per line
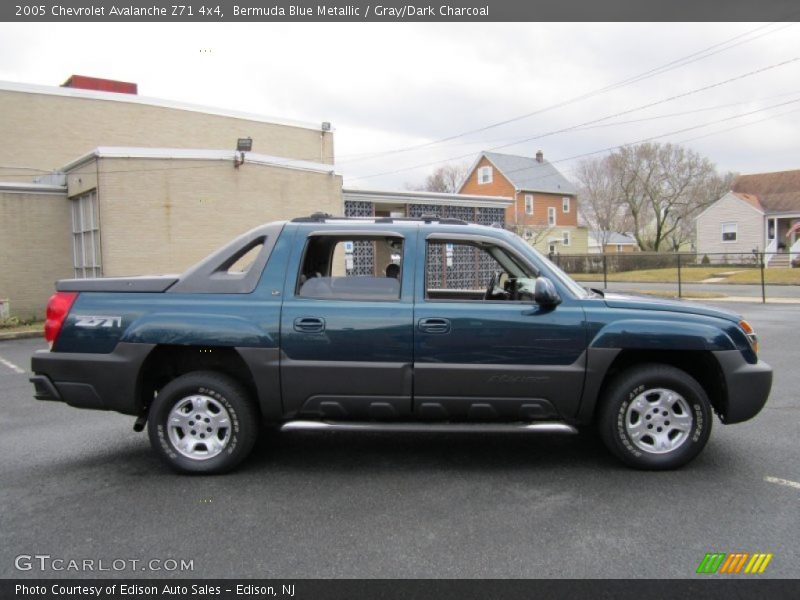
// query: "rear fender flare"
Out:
[197,330]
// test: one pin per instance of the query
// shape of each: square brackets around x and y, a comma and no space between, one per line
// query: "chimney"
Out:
[540,156]
[82,82]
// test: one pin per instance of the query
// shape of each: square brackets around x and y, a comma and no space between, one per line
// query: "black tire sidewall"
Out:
[627,388]
[225,391]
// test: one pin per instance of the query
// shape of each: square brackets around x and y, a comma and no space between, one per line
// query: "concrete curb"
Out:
[20,335]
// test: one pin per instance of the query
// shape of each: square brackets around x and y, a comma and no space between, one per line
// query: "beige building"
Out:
[46,127]
[96,183]
[35,245]
[100,183]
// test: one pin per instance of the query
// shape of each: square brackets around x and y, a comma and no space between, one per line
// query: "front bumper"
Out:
[84,380]
[747,385]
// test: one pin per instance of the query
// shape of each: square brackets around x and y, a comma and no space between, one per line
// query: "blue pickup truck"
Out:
[387,324]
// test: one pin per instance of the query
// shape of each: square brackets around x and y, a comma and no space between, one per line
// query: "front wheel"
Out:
[203,422]
[655,417]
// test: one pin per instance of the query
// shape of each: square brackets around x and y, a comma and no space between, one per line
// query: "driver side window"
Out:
[456,270]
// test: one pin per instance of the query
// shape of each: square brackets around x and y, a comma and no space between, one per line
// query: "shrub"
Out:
[9,322]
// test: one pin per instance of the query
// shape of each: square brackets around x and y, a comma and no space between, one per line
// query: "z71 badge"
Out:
[97,321]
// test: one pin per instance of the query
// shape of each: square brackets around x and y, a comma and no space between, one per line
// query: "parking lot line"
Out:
[784,482]
[11,365]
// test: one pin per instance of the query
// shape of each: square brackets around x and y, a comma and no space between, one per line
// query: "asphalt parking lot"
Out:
[82,485]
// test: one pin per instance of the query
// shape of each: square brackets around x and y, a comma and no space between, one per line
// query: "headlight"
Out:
[750,333]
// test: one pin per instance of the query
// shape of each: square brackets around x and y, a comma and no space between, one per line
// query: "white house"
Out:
[614,242]
[761,213]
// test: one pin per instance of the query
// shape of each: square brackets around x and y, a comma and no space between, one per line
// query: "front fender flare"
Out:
[644,334]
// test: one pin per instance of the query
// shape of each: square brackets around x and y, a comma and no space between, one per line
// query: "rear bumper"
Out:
[99,381]
[748,386]
[44,388]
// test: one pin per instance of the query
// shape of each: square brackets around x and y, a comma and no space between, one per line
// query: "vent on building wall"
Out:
[82,82]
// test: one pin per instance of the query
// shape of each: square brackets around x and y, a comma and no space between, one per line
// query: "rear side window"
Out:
[245,261]
[358,268]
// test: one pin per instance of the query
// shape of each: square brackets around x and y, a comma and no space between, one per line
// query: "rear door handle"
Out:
[434,325]
[309,324]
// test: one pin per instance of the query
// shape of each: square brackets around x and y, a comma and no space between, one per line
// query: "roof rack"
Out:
[317,217]
[320,217]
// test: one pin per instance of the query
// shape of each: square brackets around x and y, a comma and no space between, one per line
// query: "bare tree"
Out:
[600,206]
[447,178]
[532,234]
[663,187]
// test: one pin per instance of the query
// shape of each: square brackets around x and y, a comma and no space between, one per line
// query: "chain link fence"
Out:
[756,275]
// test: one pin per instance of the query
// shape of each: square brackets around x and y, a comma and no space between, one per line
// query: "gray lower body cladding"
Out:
[99,381]
[747,385]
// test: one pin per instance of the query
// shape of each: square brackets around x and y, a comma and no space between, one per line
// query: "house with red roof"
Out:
[761,213]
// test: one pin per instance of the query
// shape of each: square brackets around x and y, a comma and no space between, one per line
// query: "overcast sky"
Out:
[390,87]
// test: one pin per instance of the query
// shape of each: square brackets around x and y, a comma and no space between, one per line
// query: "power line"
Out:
[699,137]
[677,63]
[650,105]
[652,118]
[226,165]
[656,137]
[641,141]
[591,122]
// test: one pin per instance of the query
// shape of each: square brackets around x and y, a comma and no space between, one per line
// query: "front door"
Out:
[483,349]
[346,327]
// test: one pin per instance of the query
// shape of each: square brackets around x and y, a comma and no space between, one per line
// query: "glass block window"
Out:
[363,262]
[457,266]
[86,254]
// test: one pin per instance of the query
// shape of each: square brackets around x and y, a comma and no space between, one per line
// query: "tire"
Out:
[219,440]
[655,417]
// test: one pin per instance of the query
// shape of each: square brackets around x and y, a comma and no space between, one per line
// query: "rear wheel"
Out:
[655,417]
[203,422]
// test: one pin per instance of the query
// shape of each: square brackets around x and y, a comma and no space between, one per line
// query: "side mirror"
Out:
[545,293]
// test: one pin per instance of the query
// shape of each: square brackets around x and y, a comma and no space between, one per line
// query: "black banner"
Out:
[397,10]
[407,589]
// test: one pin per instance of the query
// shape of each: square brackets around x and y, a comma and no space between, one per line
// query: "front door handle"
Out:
[309,324]
[434,325]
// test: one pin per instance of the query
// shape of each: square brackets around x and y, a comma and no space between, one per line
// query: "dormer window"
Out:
[485,175]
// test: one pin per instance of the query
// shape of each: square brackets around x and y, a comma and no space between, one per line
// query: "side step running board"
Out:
[543,427]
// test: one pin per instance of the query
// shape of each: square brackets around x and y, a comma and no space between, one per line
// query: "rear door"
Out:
[347,325]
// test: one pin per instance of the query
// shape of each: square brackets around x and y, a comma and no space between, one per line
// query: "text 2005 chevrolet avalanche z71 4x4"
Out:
[393,325]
